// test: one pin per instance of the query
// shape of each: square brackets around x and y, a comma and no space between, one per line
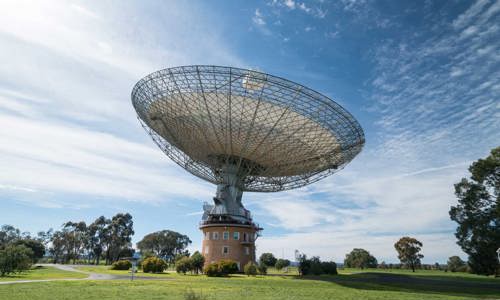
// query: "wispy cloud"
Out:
[433,98]
[314,10]
[65,101]
[423,106]
[289,3]
[258,19]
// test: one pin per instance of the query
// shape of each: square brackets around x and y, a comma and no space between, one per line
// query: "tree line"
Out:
[409,254]
[108,239]
[105,240]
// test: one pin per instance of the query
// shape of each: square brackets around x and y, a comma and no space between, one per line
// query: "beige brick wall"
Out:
[213,249]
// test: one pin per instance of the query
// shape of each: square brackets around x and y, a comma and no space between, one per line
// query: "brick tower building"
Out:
[228,237]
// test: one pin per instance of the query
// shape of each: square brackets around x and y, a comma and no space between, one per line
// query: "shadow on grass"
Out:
[456,286]
[23,273]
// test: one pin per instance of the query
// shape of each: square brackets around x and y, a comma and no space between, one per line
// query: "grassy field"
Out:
[350,284]
[41,273]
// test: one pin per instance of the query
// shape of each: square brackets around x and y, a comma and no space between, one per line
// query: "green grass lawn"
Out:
[107,270]
[371,285]
[40,273]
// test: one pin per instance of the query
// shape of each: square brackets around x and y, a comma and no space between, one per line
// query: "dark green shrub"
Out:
[153,265]
[281,263]
[456,264]
[329,267]
[267,259]
[228,266]
[304,265]
[250,269]
[183,265]
[121,265]
[262,268]
[316,266]
[197,262]
[212,270]
[14,259]
[222,268]
[37,247]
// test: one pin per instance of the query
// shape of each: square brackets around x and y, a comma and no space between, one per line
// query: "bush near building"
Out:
[262,268]
[222,268]
[121,265]
[184,265]
[250,269]
[197,262]
[153,265]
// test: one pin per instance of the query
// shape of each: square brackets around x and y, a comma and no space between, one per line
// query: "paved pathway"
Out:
[91,275]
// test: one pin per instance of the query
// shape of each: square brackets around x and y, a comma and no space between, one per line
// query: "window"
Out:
[245,237]
[206,249]
[225,235]
[236,235]
[215,235]
[207,235]
[225,250]
[247,250]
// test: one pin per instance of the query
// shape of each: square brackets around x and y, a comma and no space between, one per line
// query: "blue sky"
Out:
[423,79]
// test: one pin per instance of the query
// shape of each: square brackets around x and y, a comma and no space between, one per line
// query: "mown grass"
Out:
[107,270]
[371,285]
[41,273]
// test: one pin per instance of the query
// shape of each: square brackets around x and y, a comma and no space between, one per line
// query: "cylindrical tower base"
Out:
[229,241]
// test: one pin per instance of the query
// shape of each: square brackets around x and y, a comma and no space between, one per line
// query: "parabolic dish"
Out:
[278,134]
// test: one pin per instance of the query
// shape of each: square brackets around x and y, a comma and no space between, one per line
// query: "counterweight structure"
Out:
[243,130]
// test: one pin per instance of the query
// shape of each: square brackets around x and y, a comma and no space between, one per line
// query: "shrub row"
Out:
[121,265]
[153,265]
[315,266]
[190,264]
[251,269]
[222,268]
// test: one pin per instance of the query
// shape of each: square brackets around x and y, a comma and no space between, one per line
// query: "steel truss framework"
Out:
[273,134]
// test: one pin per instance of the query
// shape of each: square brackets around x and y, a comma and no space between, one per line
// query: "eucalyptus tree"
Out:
[164,243]
[409,251]
[478,214]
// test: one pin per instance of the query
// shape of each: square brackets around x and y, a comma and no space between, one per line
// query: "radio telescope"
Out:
[243,130]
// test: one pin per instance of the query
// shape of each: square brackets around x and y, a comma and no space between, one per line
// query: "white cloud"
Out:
[303,7]
[468,16]
[63,158]
[258,19]
[289,3]
[65,99]
[358,209]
